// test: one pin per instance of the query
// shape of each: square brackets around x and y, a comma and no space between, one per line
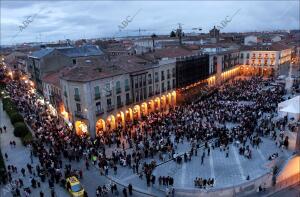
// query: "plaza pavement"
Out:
[20,156]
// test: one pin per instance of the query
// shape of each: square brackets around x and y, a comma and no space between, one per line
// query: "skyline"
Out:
[44,21]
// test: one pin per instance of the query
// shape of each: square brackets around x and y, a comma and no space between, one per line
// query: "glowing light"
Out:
[26,81]
[118,115]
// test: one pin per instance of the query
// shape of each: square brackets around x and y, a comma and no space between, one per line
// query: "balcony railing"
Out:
[99,112]
[76,97]
[128,102]
[79,114]
[110,108]
[108,93]
[118,90]
[120,104]
[97,96]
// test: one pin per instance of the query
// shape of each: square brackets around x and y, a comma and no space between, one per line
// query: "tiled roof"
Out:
[41,53]
[86,50]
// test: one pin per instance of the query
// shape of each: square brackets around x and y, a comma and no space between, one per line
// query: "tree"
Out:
[172,34]
[16,117]
[21,129]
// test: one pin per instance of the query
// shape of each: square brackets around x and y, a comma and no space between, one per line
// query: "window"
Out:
[162,87]
[76,91]
[118,87]
[140,81]
[136,85]
[74,61]
[242,55]
[150,91]
[141,94]
[107,89]
[78,107]
[156,89]
[162,75]
[169,85]
[136,96]
[173,72]
[108,102]
[174,84]
[119,101]
[76,94]
[149,79]
[97,92]
[156,76]
[145,93]
[127,98]
[98,106]
[126,84]
[144,80]
[168,74]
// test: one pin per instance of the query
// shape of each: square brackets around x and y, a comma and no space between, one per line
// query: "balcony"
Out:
[150,94]
[128,102]
[110,108]
[79,114]
[157,92]
[120,104]
[99,112]
[127,88]
[108,93]
[97,96]
[76,97]
[118,90]
[150,81]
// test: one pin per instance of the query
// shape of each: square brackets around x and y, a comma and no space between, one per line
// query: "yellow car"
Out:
[74,187]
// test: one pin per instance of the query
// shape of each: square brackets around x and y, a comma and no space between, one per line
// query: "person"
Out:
[130,189]
[125,192]
[41,194]
[6,156]
[85,194]
[4,127]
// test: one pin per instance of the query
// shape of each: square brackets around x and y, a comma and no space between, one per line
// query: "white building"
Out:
[103,95]
[250,40]
[265,57]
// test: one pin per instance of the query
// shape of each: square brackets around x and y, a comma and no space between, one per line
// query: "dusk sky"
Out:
[58,20]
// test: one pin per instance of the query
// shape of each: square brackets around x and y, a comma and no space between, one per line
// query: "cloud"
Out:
[77,19]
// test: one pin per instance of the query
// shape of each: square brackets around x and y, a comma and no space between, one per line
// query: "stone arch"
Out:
[144,109]
[174,97]
[100,127]
[128,115]
[120,119]
[157,104]
[150,106]
[111,122]
[81,127]
[163,101]
[136,112]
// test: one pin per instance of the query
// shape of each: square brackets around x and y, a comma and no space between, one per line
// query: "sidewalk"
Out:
[19,157]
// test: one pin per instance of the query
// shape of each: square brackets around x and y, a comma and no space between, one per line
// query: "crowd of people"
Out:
[204,183]
[240,102]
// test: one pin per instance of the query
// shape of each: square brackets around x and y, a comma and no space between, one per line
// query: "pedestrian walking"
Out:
[130,189]
[124,192]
